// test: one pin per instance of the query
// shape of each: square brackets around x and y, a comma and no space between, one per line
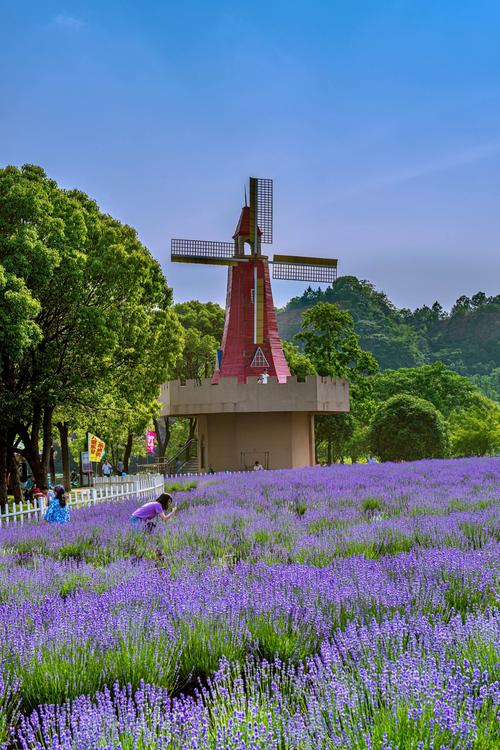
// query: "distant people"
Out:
[263,377]
[107,469]
[210,470]
[178,466]
[371,460]
[258,466]
[145,516]
[119,467]
[73,478]
[58,511]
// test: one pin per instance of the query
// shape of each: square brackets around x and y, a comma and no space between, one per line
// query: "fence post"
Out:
[42,506]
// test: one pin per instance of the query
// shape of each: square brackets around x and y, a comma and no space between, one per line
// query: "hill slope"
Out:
[467,339]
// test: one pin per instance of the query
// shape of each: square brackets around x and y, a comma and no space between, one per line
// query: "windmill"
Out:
[250,343]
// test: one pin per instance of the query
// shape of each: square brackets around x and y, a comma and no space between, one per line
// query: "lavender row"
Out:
[309,516]
[398,684]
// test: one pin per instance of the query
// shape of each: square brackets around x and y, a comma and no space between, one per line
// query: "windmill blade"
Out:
[303,268]
[261,208]
[202,251]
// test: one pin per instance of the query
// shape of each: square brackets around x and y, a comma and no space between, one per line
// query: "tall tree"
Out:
[203,325]
[475,428]
[332,346]
[436,383]
[205,317]
[406,428]
[96,301]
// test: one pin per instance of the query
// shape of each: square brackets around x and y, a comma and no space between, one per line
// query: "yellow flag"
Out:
[96,447]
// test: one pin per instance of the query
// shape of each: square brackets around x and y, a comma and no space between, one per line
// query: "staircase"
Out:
[185,461]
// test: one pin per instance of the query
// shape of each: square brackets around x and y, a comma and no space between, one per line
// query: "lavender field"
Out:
[343,607]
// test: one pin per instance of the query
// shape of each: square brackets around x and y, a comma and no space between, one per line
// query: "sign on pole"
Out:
[96,447]
[150,441]
[85,463]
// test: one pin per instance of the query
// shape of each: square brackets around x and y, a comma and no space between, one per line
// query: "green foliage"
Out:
[58,673]
[406,428]
[466,340]
[180,486]
[333,434]
[332,345]
[381,329]
[203,324]
[435,383]
[475,430]
[372,505]
[299,364]
[276,634]
[206,317]
[198,356]
[205,641]
[140,656]
[489,385]
[87,326]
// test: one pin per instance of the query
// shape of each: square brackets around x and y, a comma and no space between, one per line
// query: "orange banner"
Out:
[96,447]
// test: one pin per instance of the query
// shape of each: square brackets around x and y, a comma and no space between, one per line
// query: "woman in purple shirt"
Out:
[146,515]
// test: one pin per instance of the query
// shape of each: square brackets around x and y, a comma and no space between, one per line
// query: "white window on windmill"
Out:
[259,359]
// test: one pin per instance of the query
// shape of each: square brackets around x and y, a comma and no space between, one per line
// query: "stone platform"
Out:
[240,423]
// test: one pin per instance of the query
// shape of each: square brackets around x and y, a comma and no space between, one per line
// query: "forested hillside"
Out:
[467,339]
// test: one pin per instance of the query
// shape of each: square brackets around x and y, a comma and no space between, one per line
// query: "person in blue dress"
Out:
[58,511]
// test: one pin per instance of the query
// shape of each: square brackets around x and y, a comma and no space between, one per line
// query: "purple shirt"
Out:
[147,511]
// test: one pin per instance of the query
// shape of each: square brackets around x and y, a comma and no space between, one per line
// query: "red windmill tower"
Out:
[251,344]
[242,419]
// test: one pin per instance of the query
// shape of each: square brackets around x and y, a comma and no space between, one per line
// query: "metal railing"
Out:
[181,463]
[143,487]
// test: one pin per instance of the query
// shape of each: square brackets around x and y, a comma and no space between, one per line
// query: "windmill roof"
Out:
[243,226]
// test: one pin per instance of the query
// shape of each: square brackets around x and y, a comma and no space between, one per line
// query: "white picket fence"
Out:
[143,487]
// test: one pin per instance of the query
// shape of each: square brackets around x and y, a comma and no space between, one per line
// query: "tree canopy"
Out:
[475,428]
[85,310]
[467,339]
[436,383]
[406,428]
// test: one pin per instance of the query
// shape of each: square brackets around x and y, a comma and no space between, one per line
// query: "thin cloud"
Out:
[68,22]
[469,155]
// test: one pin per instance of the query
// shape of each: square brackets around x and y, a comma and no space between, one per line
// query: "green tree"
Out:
[406,428]
[489,385]
[333,434]
[332,346]
[205,317]
[475,430]
[436,383]
[203,325]
[197,359]
[99,309]
[299,364]
[382,329]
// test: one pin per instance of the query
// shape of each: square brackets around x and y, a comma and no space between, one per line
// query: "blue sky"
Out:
[379,121]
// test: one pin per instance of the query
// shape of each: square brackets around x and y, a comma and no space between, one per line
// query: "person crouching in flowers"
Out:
[58,511]
[145,516]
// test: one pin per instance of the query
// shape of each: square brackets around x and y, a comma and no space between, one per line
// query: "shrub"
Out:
[406,428]
[476,431]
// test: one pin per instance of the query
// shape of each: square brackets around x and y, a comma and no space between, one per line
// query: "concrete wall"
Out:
[316,395]
[278,440]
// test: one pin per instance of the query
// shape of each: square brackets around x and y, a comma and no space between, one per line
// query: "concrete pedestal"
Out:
[278,440]
[241,423]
